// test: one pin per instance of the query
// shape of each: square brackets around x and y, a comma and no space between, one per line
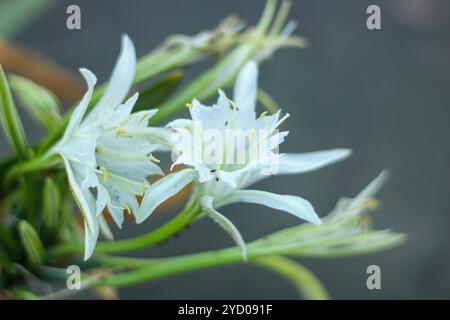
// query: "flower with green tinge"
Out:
[221,183]
[108,152]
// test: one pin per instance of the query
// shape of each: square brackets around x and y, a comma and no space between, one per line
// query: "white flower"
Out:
[221,182]
[108,153]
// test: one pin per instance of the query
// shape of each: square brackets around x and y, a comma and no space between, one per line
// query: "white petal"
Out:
[162,190]
[305,162]
[102,199]
[204,173]
[122,195]
[245,88]
[297,206]
[215,116]
[90,240]
[104,228]
[120,113]
[121,79]
[140,120]
[90,178]
[116,214]
[137,169]
[80,110]
[87,209]
[233,178]
[222,221]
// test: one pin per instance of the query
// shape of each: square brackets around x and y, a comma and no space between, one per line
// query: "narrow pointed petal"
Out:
[103,199]
[245,89]
[305,162]
[224,223]
[120,81]
[90,240]
[104,228]
[162,190]
[81,200]
[80,110]
[297,206]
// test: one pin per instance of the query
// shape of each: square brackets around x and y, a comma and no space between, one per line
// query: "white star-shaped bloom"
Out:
[205,144]
[108,152]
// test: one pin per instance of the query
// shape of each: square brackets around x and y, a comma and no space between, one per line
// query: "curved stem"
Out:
[172,266]
[304,280]
[169,229]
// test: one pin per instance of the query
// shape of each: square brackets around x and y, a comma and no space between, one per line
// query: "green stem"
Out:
[36,164]
[125,262]
[169,229]
[304,280]
[172,266]
[150,269]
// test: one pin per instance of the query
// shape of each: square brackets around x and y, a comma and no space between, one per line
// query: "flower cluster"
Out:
[108,154]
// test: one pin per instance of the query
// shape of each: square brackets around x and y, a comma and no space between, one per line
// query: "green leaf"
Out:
[7,243]
[51,205]
[36,164]
[5,263]
[16,15]
[24,294]
[31,243]
[308,285]
[40,102]
[158,92]
[10,120]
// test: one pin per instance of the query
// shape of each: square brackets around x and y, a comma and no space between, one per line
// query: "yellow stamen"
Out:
[153,158]
[127,208]
[365,221]
[142,191]
[120,131]
[105,174]
[263,114]
[372,203]
[143,118]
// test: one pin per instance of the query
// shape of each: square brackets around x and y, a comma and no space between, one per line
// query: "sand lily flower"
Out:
[222,167]
[108,153]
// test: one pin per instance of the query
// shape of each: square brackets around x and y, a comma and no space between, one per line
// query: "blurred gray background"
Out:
[384,93]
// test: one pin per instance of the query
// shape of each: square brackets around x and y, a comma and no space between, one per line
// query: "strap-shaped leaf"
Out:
[51,205]
[157,93]
[40,102]
[31,243]
[10,120]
